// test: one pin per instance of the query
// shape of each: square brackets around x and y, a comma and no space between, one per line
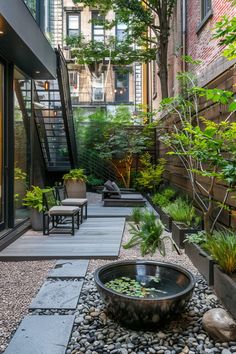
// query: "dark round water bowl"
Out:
[173,290]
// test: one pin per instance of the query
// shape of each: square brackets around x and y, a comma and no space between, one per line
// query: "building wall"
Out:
[214,71]
[84,87]
[199,43]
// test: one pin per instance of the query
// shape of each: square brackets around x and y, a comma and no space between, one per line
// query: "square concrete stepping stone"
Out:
[60,294]
[66,268]
[42,335]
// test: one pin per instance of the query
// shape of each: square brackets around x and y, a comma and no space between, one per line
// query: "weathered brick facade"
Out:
[199,43]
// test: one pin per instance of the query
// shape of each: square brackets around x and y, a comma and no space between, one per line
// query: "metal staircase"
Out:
[54,120]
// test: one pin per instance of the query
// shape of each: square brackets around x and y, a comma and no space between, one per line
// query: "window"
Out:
[205,8]
[121,31]
[122,87]
[73,24]
[98,89]
[98,32]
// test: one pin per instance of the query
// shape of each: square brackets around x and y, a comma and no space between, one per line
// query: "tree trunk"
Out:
[163,66]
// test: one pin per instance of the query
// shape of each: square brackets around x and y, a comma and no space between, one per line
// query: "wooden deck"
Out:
[96,238]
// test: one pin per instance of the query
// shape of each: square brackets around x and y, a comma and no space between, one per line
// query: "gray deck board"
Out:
[42,335]
[96,238]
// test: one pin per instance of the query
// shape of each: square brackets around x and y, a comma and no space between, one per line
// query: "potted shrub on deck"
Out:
[34,200]
[184,220]
[75,182]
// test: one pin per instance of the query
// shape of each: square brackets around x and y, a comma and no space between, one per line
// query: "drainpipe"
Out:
[184,29]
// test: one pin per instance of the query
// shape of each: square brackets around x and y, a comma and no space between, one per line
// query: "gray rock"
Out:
[226,351]
[219,325]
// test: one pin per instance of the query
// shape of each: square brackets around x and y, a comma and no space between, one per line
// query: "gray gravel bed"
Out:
[95,333]
[19,283]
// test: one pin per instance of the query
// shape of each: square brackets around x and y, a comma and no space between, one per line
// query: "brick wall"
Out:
[198,41]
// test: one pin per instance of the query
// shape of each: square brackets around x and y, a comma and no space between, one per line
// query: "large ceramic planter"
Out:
[175,286]
[166,219]
[75,189]
[179,232]
[36,219]
[201,260]
[225,288]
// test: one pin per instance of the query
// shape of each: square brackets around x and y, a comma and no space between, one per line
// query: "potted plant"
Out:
[34,200]
[222,247]
[195,250]
[184,219]
[75,182]
[160,200]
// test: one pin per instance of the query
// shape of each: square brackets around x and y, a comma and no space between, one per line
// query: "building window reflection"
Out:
[22,114]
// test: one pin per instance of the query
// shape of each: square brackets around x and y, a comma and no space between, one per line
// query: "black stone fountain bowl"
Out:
[175,286]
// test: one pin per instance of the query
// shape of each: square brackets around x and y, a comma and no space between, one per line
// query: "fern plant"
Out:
[76,174]
[183,211]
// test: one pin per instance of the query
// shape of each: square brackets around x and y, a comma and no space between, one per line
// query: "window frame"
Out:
[96,13]
[77,14]
[204,15]
[125,96]
[117,29]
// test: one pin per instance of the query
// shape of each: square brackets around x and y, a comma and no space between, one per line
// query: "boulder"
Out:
[219,325]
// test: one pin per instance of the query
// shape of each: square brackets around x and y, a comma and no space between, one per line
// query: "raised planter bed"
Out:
[201,260]
[179,231]
[225,288]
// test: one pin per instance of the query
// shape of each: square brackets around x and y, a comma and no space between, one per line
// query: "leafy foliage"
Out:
[225,30]
[141,17]
[150,175]
[163,198]
[136,215]
[94,181]
[147,235]
[123,142]
[183,211]
[34,198]
[206,149]
[76,174]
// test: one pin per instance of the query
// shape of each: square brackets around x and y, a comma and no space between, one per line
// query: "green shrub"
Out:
[222,248]
[163,198]
[94,181]
[34,198]
[150,175]
[182,211]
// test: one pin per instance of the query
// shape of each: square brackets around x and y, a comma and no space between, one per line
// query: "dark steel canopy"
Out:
[23,43]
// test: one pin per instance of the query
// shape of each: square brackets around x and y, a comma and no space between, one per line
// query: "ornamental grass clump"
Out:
[222,248]
[183,211]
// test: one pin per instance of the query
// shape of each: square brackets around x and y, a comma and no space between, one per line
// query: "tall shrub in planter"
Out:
[206,149]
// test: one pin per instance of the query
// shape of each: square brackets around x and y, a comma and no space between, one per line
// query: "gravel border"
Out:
[19,283]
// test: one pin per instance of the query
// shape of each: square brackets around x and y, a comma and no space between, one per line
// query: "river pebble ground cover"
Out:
[94,332]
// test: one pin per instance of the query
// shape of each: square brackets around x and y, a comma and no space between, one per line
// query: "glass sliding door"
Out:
[1,143]
[22,114]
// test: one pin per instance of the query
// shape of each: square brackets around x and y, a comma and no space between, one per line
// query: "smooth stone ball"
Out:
[219,325]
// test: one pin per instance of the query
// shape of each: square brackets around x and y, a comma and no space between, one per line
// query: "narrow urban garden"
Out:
[126,240]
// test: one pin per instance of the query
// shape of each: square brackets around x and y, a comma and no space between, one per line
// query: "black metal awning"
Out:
[23,43]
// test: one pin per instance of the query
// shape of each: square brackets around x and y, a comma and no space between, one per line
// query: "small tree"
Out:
[205,148]
[123,143]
